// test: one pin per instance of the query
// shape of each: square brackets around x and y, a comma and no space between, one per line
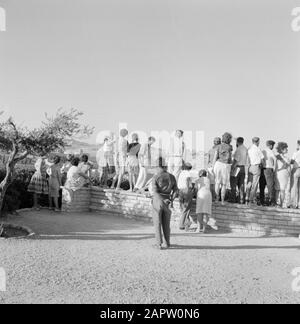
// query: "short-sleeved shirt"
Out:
[255,155]
[224,153]
[164,183]
[211,156]
[123,146]
[184,179]
[296,158]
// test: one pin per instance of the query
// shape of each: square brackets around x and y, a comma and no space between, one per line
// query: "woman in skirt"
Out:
[55,182]
[38,184]
[283,174]
[204,201]
[133,161]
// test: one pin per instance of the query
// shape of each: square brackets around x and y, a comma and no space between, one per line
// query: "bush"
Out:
[17,196]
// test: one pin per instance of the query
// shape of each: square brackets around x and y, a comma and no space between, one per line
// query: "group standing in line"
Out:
[231,174]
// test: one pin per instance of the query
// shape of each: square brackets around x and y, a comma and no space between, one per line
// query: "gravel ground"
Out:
[92,258]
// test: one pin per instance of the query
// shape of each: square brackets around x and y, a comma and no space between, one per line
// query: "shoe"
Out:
[157,247]
[165,246]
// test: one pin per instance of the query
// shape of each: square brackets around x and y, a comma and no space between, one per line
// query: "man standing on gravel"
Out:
[165,190]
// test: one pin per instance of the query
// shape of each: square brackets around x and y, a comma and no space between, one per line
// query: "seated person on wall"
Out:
[66,167]
[85,167]
[76,177]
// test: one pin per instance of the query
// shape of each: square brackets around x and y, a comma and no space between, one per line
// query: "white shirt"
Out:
[241,155]
[269,159]
[108,146]
[122,146]
[255,155]
[296,158]
[184,180]
[177,147]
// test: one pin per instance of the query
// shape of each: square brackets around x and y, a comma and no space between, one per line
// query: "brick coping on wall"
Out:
[230,217]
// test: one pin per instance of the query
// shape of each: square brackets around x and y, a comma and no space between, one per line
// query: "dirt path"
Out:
[92,258]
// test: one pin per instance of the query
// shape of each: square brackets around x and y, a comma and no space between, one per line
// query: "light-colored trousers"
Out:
[253,181]
[295,185]
[142,178]
[175,166]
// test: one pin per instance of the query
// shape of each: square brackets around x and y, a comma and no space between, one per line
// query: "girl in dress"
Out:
[204,201]
[85,167]
[38,184]
[55,182]
[283,174]
[133,161]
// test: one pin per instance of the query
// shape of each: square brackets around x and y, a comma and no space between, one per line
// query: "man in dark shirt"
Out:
[164,192]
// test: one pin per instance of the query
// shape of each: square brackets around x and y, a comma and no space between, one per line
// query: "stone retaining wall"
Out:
[76,201]
[236,218]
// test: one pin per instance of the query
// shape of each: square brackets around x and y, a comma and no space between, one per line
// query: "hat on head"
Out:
[271,143]
[255,139]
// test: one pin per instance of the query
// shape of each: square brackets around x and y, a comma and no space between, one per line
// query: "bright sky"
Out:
[210,65]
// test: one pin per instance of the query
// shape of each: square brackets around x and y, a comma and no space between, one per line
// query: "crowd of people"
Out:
[249,171]
[239,175]
[51,174]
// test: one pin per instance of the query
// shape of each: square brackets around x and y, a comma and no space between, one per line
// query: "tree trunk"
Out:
[6,182]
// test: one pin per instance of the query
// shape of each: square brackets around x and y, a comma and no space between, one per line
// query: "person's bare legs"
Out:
[217,190]
[50,202]
[223,194]
[199,222]
[121,174]
[35,201]
[205,222]
[282,198]
[56,203]
[131,185]
[114,181]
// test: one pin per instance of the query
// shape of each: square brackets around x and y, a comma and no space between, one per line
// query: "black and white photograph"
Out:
[149,155]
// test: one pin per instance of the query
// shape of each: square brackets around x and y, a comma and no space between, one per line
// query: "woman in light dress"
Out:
[75,178]
[65,168]
[204,201]
[133,160]
[55,182]
[85,167]
[38,184]
[283,174]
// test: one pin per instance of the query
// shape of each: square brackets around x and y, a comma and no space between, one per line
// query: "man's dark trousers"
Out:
[267,178]
[161,219]
[186,202]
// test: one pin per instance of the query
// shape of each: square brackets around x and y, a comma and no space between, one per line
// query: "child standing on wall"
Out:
[204,201]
